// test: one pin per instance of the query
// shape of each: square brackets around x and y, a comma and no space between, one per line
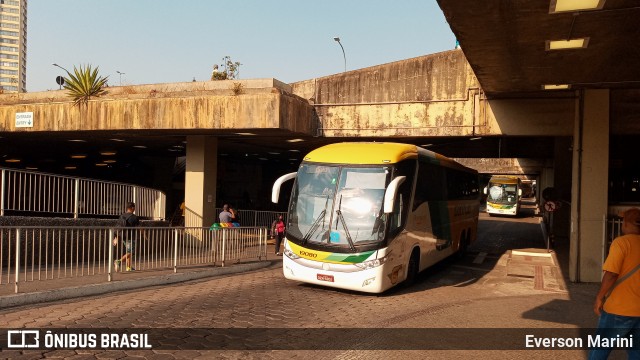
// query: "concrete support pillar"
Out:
[200,181]
[562,182]
[589,199]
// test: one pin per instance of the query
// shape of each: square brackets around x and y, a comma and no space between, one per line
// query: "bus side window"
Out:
[461,185]
[430,185]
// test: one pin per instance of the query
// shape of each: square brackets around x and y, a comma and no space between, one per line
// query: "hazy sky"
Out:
[159,41]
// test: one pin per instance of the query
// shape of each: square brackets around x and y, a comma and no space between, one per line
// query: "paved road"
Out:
[497,234]
[455,294]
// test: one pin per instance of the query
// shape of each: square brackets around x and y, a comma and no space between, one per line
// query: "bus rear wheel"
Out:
[464,243]
[413,268]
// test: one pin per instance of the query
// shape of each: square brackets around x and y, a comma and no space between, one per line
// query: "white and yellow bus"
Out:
[367,216]
[503,195]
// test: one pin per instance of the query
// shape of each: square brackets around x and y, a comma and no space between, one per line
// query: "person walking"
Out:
[128,236]
[277,230]
[618,300]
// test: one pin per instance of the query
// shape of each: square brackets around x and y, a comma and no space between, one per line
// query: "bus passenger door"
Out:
[400,217]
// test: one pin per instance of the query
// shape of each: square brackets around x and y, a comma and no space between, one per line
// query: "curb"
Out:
[104,288]
[532,252]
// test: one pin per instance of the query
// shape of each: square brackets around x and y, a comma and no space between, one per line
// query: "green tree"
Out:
[84,84]
[232,69]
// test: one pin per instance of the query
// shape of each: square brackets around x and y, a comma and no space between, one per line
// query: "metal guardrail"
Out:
[30,254]
[36,192]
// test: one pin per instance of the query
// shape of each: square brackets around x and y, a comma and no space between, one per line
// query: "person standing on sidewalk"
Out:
[618,301]
[225,215]
[277,231]
[128,236]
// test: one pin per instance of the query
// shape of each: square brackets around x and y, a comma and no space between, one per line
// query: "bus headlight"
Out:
[290,254]
[370,264]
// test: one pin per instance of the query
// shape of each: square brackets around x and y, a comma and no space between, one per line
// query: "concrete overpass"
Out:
[435,101]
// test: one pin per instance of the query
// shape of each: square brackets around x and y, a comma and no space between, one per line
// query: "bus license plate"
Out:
[323,277]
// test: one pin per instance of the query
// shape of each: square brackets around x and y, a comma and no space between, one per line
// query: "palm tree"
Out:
[84,83]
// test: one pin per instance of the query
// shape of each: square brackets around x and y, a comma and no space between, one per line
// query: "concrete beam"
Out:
[212,105]
[505,166]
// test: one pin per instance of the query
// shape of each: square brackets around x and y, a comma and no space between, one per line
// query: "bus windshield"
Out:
[338,206]
[503,193]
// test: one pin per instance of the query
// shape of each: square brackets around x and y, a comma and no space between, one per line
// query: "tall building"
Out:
[13,45]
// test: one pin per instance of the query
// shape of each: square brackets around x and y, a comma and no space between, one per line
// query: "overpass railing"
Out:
[36,192]
[29,254]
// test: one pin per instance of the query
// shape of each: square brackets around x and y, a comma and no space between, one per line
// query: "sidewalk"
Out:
[38,291]
[517,272]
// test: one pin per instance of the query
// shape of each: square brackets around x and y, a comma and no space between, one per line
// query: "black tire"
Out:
[413,268]
[464,244]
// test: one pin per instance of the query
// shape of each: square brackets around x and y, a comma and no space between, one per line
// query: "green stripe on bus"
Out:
[349,258]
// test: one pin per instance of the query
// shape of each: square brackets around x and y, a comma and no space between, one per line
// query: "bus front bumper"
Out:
[314,272]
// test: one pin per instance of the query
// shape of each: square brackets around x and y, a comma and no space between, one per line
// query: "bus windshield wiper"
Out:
[344,225]
[316,223]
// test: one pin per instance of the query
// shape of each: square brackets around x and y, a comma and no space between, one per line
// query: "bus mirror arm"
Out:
[275,192]
[391,192]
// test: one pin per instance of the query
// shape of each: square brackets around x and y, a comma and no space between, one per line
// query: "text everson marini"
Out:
[593,341]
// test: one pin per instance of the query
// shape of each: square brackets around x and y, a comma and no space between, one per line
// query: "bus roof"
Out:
[363,153]
[374,153]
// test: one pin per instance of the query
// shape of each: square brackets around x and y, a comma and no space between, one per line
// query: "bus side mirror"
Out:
[391,192]
[275,192]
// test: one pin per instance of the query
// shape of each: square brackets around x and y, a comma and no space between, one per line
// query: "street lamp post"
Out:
[61,67]
[60,83]
[121,73]
[343,54]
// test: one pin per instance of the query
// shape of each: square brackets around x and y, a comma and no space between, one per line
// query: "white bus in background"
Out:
[503,195]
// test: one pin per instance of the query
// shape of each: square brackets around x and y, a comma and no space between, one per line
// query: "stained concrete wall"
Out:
[262,103]
[431,95]
[510,166]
